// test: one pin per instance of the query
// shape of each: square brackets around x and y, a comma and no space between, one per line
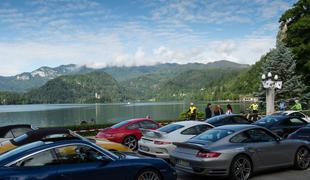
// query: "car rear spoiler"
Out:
[155,134]
[190,145]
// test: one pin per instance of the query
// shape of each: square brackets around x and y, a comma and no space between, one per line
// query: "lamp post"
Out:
[270,83]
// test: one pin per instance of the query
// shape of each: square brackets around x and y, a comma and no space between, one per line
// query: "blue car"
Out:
[79,160]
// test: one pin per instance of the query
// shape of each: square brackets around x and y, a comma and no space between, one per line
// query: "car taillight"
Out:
[208,154]
[161,142]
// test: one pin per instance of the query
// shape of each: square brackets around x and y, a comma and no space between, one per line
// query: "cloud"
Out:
[55,32]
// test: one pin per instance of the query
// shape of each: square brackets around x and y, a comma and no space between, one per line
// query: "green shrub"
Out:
[183,116]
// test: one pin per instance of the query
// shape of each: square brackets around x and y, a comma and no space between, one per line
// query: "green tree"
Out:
[280,61]
[296,28]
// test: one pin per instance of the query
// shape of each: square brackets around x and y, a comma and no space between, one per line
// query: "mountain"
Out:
[28,80]
[82,88]
[189,79]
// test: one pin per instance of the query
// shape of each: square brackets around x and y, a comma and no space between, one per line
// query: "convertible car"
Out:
[56,134]
[79,160]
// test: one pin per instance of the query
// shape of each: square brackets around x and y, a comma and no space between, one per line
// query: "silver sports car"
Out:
[238,151]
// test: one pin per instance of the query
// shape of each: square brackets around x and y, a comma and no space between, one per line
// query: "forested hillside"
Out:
[87,88]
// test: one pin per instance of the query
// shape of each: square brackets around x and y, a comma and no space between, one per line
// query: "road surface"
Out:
[283,174]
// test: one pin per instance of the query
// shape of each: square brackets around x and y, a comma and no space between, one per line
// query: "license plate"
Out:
[144,148]
[182,163]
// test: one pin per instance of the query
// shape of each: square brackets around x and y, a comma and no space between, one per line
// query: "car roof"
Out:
[290,111]
[6,128]
[47,131]
[189,123]
[237,127]
[14,126]
[37,135]
[139,119]
[279,117]
[227,115]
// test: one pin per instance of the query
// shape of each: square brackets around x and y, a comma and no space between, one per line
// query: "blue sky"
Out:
[100,33]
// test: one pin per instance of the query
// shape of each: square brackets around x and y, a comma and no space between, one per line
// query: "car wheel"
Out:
[302,158]
[131,142]
[240,168]
[148,174]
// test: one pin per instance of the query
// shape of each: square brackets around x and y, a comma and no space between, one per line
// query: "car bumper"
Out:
[208,167]
[161,151]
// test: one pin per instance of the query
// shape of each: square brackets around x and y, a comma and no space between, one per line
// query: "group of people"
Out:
[209,112]
[217,110]
[296,106]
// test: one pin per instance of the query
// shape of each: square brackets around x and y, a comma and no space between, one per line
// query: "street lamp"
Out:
[270,84]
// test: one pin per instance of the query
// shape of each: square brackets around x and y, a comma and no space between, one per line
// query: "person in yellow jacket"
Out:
[253,115]
[254,107]
[192,112]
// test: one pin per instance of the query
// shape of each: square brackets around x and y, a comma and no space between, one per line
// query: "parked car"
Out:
[295,114]
[282,125]
[127,132]
[238,151]
[227,119]
[302,133]
[12,131]
[158,142]
[56,134]
[79,160]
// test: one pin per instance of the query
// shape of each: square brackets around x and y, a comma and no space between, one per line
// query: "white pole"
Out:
[270,95]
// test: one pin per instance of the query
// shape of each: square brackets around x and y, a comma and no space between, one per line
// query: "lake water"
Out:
[46,115]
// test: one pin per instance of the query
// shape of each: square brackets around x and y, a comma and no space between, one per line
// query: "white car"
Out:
[294,113]
[159,143]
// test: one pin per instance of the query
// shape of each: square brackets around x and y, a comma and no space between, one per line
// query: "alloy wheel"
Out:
[242,168]
[131,142]
[149,175]
[303,158]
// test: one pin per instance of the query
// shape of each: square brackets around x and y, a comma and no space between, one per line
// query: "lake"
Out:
[47,115]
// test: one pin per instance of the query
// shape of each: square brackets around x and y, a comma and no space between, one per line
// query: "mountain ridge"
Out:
[26,81]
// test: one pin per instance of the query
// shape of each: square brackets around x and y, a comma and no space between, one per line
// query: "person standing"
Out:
[229,109]
[192,112]
[208,111]
[297,106]
[253,115]
[218,110]
[282,105]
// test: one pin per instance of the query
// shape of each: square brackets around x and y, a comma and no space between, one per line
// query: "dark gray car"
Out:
[238,151]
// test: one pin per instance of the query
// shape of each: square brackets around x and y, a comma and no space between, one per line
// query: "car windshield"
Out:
[170,128]
[267,121]
[118,125]
[213,135]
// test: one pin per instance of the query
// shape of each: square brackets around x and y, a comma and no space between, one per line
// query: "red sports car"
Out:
[127,132]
